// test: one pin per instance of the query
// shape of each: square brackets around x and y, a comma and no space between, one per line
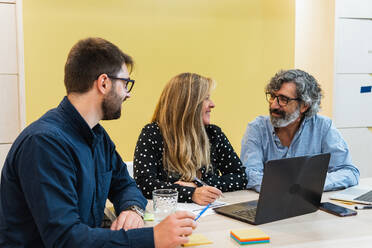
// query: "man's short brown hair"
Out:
[90,58]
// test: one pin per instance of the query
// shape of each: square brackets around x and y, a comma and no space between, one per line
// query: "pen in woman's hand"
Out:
[200,181]
[203,183]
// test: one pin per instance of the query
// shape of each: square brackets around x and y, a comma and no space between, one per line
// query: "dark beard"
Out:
[111,106]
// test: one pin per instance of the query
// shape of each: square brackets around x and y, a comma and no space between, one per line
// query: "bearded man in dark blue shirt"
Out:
[62,168]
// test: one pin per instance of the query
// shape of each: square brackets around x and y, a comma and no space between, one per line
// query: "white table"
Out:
[315,230]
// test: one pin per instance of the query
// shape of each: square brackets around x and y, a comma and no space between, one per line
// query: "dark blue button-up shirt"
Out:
[55,182]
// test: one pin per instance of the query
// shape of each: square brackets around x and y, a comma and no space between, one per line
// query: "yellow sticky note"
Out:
[197,239]
[148,217]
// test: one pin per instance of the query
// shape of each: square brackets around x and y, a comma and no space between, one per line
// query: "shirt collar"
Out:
[77,122]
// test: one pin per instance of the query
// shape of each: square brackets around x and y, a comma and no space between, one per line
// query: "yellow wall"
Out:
[314,44]
[239,43]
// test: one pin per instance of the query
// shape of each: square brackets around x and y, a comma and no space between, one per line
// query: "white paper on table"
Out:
[196,208]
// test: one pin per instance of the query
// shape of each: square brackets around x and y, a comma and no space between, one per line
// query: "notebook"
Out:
[290,187]
[196,208]
[358,194]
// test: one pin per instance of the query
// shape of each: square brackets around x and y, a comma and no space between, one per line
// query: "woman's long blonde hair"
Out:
[179,116]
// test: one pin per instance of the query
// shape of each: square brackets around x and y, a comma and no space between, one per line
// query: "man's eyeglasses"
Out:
[282,100]
[128,82]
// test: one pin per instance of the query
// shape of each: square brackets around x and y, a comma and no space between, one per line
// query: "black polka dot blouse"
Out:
[228,174]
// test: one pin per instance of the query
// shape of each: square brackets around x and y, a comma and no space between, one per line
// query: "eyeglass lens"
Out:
[128,86]
[282,100]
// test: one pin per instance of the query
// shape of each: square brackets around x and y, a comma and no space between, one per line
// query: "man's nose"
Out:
[127,95]
[275,103]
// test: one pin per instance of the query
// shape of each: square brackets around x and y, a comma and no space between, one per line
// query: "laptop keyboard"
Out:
[365,197]
[249,213]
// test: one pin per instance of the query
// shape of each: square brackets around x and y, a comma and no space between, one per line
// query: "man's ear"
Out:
[304,107]
[104,84]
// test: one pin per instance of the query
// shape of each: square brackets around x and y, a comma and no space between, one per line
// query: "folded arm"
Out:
[228,173]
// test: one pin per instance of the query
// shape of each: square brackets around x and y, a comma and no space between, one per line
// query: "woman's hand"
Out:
[205,195]
[187,184]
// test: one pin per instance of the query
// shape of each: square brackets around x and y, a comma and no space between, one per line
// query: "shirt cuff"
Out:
[257,188]
[125,205]
[141,237]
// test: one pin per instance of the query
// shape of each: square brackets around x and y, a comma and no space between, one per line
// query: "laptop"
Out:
[358,194]
[290,187]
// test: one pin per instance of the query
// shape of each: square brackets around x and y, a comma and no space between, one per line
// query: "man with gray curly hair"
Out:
[295,129]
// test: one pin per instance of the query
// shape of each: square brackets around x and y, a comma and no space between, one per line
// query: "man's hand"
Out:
[187,184]
[174,229]
[127,220]
[205,195]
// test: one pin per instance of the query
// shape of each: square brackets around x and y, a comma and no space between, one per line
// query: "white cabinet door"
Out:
[9,108]
[353,100]
[4,148]
[359,141]
[354,46]
[354,8]
[8,39]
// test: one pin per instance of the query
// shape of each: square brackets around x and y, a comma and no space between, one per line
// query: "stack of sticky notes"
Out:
[249,236]
[197,239]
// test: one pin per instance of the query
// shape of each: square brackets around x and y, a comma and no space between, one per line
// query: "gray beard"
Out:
[288,119]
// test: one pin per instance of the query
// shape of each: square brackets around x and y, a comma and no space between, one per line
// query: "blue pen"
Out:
[202,212]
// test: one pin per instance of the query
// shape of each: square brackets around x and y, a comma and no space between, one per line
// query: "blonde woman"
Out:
[180,145]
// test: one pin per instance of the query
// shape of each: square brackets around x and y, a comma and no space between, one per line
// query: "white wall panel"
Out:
[354,8]
[351,107]
[359,141]
[4,148]
[11,74]
[354,46]
[352,98]
[8,39]
[9,107]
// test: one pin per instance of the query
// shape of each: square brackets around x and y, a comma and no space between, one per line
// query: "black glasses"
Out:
[128,82]
[282,100]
